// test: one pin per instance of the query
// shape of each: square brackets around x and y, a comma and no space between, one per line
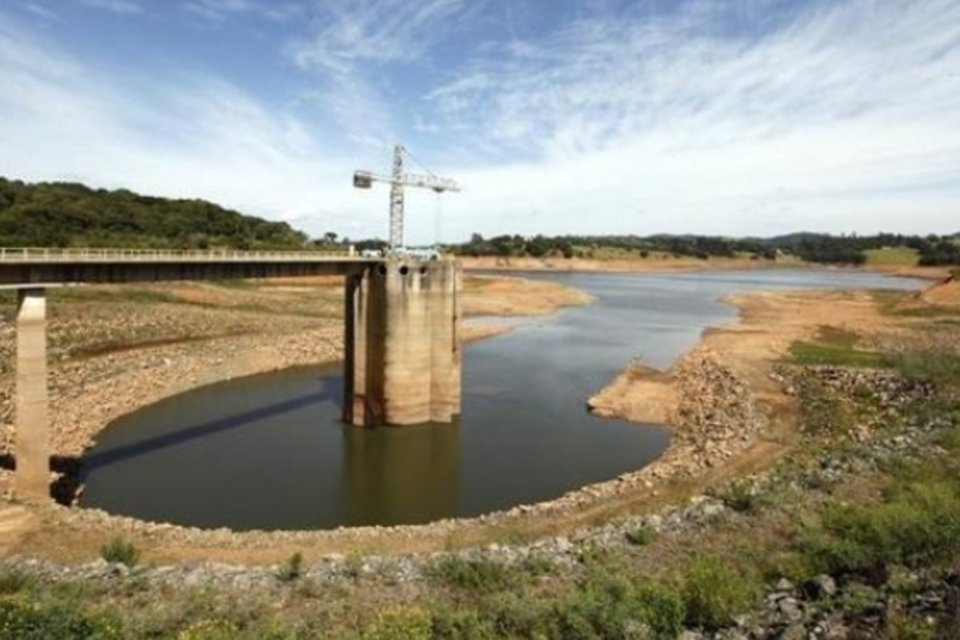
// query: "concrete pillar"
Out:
[32,413]
[402,355]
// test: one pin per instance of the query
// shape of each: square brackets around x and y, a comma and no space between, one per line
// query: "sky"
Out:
[746,117]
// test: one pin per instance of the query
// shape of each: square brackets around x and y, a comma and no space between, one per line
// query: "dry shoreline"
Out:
[728,416]
[684,264]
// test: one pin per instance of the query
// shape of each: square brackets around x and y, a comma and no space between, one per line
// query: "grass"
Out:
[940,367]
[895,256]
[833,346]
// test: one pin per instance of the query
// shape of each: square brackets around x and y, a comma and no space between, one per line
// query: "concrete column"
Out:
[402,355]
[445,363]
[32,411]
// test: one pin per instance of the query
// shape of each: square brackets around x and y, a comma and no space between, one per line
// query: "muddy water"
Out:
[269,452]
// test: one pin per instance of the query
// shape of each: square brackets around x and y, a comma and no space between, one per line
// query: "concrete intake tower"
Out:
[402,343]
[401,330]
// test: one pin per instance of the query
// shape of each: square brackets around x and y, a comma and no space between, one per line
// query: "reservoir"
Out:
[269,451]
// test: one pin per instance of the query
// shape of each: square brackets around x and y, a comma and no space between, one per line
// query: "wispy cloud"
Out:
[42,11]
[826,111]
[123,7]
[377,31]
[188,136]
[734,118]
[219,11]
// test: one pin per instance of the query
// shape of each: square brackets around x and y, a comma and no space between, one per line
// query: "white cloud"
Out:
[841,117]
[848,117]
[124,7]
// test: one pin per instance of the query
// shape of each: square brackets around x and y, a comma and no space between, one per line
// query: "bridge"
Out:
[401,329]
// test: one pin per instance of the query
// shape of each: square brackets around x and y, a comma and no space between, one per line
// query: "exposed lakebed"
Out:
[269,452]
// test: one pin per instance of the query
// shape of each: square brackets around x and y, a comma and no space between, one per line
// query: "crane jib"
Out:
[398,180]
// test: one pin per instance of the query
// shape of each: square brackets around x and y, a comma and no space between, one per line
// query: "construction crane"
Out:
[398,180]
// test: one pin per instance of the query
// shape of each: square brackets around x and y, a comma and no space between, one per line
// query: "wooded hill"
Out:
[60,214]
[809,247]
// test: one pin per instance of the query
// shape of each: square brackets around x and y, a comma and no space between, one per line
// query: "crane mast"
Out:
[398,180]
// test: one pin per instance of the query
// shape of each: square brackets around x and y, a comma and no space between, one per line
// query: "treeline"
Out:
[60,214]
[810,247]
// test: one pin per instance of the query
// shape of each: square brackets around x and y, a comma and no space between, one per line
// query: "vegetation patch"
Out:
[121,551]
[827,353]
[894,256]
[641,535]
[487,576]
[714,592]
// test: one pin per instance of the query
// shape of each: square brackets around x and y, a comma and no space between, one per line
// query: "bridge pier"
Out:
[402,351]
[32,479]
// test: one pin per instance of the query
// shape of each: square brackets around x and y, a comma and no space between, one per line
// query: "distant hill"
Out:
[60,214]
[809,247]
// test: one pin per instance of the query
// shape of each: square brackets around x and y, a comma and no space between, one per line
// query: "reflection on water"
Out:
[269,451]
[393,476]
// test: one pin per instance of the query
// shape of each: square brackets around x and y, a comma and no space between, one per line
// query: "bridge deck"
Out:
[24,268]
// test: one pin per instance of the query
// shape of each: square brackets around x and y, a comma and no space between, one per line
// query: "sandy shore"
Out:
[728,412]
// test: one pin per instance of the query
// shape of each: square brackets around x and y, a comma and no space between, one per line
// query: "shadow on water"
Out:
[202,430]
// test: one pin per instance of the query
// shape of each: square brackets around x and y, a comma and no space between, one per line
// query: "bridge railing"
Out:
[43,254]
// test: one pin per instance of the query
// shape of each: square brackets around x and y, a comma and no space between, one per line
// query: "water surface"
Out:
[269,451]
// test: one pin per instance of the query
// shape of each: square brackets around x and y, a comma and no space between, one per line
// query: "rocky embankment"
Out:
[712,410]
[837,607]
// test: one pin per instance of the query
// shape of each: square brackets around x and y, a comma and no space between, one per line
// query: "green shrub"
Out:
[13,581]
[612,606]
[919,524]
[486,576]
[942,367]
[641,535]
[714,592]
[400,624]
[209,630]
[741,496]
[858,600]
[292,569]
[461,625]
[901,628]
[119,550]
[27,621]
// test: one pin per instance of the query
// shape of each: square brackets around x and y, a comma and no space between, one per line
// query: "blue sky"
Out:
[575,116]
